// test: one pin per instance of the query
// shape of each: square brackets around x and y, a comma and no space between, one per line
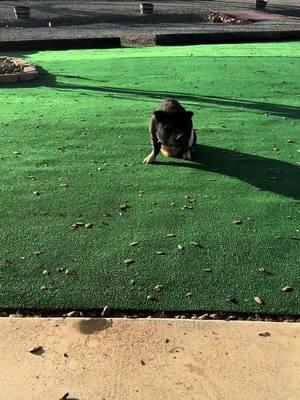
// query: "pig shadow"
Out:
[266,174]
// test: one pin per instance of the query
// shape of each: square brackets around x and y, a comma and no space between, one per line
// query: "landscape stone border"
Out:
[21,71]
[224,37]
[61,44]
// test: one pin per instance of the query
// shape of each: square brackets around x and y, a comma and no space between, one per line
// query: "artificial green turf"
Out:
[85,123]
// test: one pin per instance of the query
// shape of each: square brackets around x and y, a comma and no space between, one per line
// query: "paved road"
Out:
[71,19]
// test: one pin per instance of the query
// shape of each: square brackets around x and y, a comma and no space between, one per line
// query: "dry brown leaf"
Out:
[264,334]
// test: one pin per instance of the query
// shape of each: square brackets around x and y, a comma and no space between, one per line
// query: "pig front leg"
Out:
[155,150]
[156,145]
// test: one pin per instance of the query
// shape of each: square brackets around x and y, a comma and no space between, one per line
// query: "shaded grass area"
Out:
[85,124]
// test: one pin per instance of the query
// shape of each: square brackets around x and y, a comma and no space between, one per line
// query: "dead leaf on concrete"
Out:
[37,350]
[264,334]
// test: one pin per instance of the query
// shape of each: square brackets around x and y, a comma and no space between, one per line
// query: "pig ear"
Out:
[189,114]
[160,116]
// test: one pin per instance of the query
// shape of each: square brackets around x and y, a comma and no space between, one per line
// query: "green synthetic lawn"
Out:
[85,123]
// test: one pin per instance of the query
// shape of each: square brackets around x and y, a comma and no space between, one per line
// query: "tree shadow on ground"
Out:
[264,173]
[50,80]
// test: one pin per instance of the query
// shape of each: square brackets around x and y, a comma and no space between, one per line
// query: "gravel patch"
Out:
[122,19]
[107,312]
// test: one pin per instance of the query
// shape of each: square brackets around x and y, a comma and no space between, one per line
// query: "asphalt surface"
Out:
[74,19]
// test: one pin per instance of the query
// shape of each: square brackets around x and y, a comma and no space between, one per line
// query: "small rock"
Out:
[180,247]
[106,311]
[231,317]
[149,297]
[231,298]
[134,243]
[207,270]
[203,316]
[129,261]
[73,226]
[160,253]
[143,362]
[237,222]
[63,185]
[196,244]
[287,289]
[73,314]
[43,287]
[258,300]
[36,193]
[157,288]
[68,271]
[124,206]
[171,235]
[189,294]
[262,270]
[88,225]
[215,315]
[45,272]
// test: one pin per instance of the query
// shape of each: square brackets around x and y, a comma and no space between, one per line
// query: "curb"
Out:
[224,37]
[60,44]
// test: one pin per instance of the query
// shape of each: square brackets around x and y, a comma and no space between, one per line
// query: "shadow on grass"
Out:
[264,173]
[50,80]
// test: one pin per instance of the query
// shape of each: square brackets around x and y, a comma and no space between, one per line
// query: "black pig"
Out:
[171,131]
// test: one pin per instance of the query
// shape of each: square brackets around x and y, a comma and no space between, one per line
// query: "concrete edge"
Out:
[123,359]
[61,44]
[224,37]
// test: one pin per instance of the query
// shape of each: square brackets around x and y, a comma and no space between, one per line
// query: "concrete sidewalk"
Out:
[125,359]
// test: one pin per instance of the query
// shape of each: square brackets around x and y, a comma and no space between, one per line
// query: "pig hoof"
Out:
[150,159]
[187,155]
